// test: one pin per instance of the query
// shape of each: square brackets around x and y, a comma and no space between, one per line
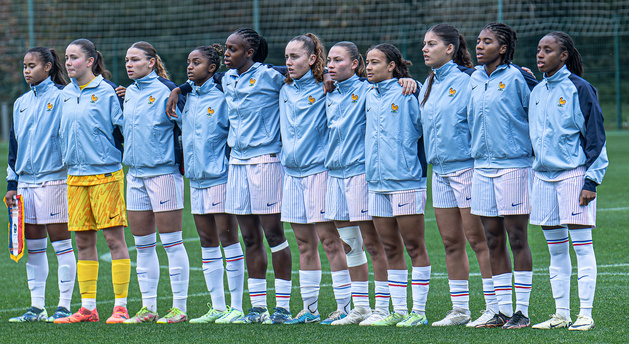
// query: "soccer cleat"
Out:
[60,312]
[119,316]
[304,317]
[231,315]
[413,319]
[518,320]
[211,316]
[377,315]
[583,323]
[355,316]
[142,316]
[455,317]
[336,315]
[555,321]
[279,316]
[33,314]
[390,320]
[82,315]
[486,315]
[257,315]
[174,315]
[497,321]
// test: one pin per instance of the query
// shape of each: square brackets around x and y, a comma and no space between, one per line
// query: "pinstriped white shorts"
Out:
[159,193]
[556,202]
[347,199]
[45,203]
[407,202]
[452,190]
[254,189]
[303,200]
[210,200]
[506,192]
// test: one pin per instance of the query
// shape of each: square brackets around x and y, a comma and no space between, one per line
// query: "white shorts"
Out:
[347,199]
[506,193]
[452,190]
[254,189]
[556,203]
[45,203]
[159,193]
[408,202]
[303,200]
[210,200]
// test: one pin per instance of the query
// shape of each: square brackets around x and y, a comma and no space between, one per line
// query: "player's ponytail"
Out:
[392,54]
[462,55]
[256,42]
[98,67]
[51,56]
[151,53]
[313,46]
[574,62]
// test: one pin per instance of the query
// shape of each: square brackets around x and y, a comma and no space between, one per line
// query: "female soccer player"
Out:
[444,98]
[501,148]
[396,175]
[205,126]
[303,126]
[91,147]
[566,126]
[37,173]
[154,183]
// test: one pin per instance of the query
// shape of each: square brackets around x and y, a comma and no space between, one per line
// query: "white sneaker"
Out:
[583,323]
[455,317]
[555,321]
[355,316]
[377,315]
[486,315]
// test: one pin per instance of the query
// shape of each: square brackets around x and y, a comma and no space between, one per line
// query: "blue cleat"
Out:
[336,315]
[257,315]
[32,315]
[279,316]
[60,312]
[304,317]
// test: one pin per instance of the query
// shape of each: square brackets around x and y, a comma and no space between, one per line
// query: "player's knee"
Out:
[353,238]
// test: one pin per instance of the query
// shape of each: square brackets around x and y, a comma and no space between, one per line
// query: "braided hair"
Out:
[256,42]
[574,62]
[506,36]
[212,53]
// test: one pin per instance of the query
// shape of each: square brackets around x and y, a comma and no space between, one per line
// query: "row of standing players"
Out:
[356,153]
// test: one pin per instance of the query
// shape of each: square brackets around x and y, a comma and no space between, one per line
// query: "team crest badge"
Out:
[311,100]
[210,111]
[354,98]
[562,102]
[49,107]
[451,92]
[94,99]
[151,100]
[252,82]
[394,108]
[501,87]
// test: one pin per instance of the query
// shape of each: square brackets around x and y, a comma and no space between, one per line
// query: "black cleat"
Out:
[497,321]
[518,320]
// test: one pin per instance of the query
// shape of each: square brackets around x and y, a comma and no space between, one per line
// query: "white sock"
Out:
[523,280]
[342,285]
[360,293]
[37,271]
[89,304]
[398,282]
[235,268]
[147,269]
[66,271]
[560,268]
[213,271]
[282,293]
[179,268]
[460,294]
[587,270]
[257,292]
[420,286]
[382,295]
[504,293]
[491,303]
[309,284]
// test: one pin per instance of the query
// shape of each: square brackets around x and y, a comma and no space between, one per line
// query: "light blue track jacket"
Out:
[149,148]
[391,142]
[566,126]
[34,148]
[346,123]
[205,126]
[444,119]
[303,126]
[497,116]
[89,118]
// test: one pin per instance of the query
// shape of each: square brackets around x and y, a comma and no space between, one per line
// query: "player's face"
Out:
[237,52]
[298,62]
[199,68]
[550,58]
[77,62]
[34,70]
[340,65]
[488,48]
[138,64]
[436,52]
[377,67]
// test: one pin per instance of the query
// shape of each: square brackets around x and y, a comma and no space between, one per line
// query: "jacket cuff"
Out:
[11,185]
[590,185]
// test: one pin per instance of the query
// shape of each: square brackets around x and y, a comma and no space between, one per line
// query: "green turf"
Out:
[610,312]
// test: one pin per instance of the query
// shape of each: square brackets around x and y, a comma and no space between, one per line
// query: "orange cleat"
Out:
[119,316]
[83,315]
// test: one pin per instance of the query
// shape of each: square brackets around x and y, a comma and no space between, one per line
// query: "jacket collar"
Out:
[346,85]
[42,86]
[253,67]
[441,72]
[305,81]
[386,85]
[145,80]
[560,75]
[92,84]
[205,88]
[498,69]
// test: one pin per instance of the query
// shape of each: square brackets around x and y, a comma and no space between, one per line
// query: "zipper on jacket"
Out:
[380,110]
[541,160]
[238,112]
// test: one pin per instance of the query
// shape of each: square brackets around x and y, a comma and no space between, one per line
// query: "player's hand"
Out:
[409,86]
[328,83]
[526,69]
[9,198]
[586,197]
[121,91]
[171,104]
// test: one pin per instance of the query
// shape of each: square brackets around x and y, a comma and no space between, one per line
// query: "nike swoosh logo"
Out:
[232,270]
[162,202]
[468,198]
[554,276]
[65,100]
[578,279]
[473,87]
[573,214]
[401,205]
[537,102]
[271,204]
[113,217]
[62,281]
[516,204]
[322,211]
[363,211]
[330,104]
[215,204]
[54,214]
[22,110]
[126,100]
[553,325]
